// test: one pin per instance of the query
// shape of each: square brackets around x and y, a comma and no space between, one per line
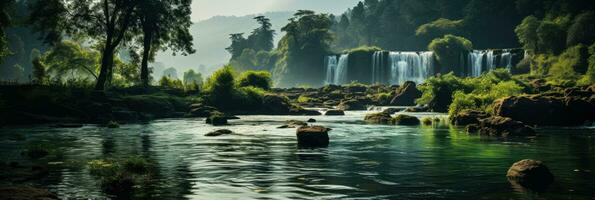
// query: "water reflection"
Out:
[362,161]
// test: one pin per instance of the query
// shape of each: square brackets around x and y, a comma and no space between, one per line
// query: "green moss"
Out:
[405,120]
[303,99]
[363,49]
[426,121]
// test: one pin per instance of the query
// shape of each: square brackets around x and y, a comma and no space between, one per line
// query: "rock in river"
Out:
[531,174]
[378,118]
[503,127]
[406,95]
[313,136]
[219,132]
[405,120]
[334,112]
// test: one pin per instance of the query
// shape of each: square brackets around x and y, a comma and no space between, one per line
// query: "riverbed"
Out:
[261,161]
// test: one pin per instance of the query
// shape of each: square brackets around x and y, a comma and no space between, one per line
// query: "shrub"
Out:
[551,37]
[589,77]
[582,29]
[249,98]
[448,50]
[260,79]
[171,83]
[569,64]
[220,87]
[303,99]
[439,27]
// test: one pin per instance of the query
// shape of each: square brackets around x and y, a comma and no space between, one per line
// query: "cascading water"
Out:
[490,60]
[506,59]
[378,69]
[410,66]
[340,76]
[476,62]
[331,67]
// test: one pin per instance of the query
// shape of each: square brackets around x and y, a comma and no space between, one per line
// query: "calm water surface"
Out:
[362,161]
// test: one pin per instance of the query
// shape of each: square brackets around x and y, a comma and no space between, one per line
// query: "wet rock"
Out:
[504,127]
[406,95]
[313,136]
[378,118]
[441,100]
[532,174]
[293,124]
[551,110]
[417,109]
[217,119]
[352,104]
[472,128]
[467,117]
[405,120]
[199,110]
[334,112]
[391,111]
[311,120]
[219,133]
[113,124]
[25,193]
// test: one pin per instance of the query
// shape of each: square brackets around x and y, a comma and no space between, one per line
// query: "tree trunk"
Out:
[144,70]
[107,62]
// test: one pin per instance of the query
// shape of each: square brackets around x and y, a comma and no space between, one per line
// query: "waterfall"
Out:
[506,59]
[340,76]
[331,67]
[410,66]
[378,68]
[476,62]
[490,60]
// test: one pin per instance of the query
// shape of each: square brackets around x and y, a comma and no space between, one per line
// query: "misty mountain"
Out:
[211,37]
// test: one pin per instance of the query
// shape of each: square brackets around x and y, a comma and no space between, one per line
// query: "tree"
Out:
[191,77]
[5,21]
[551,37]
[527,33]
[261,38]
[164,24]
[448,50]
[582,31]
[238,44]
[70,58]
[259,79]
[106,21]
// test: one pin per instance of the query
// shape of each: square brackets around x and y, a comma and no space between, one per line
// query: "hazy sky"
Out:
[204,9]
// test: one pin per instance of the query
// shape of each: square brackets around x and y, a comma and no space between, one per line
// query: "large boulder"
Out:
[467,117]
[378,118]
[312,136]
[334,112]
[217,119]
[352,104]
[441,100]
[276,104]
[406,95]
[531,174]
[503,127]
[551,110]
[405,120]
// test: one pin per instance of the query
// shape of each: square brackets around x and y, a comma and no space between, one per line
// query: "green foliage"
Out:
[569,64]
[439,27]
[589,77]
[303,99]
[69,60]
[476,93]
[171,83]
[551,37]
[39,71]
[448,50]
[191,77]
[259,79]
[220,87]
[363,49]
[582,30]
[527,33]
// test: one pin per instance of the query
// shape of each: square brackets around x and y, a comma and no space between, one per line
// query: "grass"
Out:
[121,177]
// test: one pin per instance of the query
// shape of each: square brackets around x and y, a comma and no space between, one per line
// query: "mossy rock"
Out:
[378,118]
[217,119]
[405,120]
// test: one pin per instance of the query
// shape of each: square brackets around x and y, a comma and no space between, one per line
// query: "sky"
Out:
[204,9]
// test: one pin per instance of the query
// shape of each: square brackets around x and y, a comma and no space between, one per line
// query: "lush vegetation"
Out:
[448,50]
[227,90]
[472,93]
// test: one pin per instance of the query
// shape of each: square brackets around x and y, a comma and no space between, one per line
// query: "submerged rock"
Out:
[405,120]
[378,118]
[503,127]
[532,174]
[219,132]
[334,112]
[25,193]
[199,110]
[311,120]
[406,95]
[113,124]
[467,117]
[391,111]
[312,136]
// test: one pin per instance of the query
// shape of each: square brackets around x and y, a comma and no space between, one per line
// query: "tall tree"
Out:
[4,22]
[238,44]
[106,21]
[165,25]
[261,38]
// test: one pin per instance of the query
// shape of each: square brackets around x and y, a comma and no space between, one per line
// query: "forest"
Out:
[450,94]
